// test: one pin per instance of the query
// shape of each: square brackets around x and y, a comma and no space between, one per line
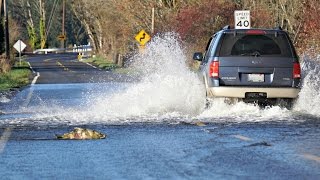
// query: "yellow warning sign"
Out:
[61,37]
[142,37]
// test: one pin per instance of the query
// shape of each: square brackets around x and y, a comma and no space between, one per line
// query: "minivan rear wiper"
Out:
[255,53]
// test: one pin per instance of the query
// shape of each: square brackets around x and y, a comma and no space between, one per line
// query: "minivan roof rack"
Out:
[278,28]
[226,27]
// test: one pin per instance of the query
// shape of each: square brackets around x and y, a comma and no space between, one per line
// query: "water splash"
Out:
[309,97]
[167,86]
[242,112]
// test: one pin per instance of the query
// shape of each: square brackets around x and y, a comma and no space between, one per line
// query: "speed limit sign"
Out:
[242,20]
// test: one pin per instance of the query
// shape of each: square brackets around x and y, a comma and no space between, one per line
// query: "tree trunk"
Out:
[90,34]
[42,24]
[31,28]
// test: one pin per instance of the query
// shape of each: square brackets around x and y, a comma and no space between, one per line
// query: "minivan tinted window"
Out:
[241,44]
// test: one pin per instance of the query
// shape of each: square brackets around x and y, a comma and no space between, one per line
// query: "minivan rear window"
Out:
[242,44]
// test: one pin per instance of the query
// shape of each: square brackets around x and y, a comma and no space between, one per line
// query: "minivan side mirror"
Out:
[198,56]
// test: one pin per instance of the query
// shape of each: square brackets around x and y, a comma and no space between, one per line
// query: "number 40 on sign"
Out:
[242,20]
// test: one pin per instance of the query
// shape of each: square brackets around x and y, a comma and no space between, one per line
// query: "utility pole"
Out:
[6,29]
[0,7]
[152,21]
[63,22]
[1,26]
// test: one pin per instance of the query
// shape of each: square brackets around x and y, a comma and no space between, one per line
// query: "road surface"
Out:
[149,136]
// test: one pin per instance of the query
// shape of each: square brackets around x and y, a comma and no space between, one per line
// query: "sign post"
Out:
[142,37]
[242,20]
[19,46]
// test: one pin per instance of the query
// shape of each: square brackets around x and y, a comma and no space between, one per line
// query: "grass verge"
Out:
[16,78]
[102,63]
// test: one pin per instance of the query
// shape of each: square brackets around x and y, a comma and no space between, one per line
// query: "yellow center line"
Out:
[64,68]
[311,157]
[201,124]
[46,60]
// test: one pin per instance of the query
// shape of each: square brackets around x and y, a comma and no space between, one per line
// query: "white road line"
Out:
[35,79]
[31,68]
[28,99]
[243,138]
[92,65]
[4,139]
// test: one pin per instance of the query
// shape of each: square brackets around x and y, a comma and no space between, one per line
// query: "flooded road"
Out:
[157,127]
[161,151]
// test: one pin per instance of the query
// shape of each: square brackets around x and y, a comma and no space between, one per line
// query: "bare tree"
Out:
[42,24]
[84,11]
[30,26]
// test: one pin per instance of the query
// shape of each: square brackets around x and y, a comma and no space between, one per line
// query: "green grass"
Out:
[16,78]
[102,62]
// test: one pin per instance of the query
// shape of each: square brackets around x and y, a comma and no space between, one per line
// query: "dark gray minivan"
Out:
[253,65]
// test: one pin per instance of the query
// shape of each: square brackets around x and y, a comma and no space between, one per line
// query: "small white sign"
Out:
[242,20]
[19,46]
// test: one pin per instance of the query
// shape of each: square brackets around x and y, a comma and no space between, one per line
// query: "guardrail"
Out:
[51,50]
[78,49]
[82,48]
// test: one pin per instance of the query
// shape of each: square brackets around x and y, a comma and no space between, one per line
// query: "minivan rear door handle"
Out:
[255,70]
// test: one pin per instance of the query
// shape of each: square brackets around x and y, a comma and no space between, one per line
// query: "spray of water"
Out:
[168,90]
[167,87]
[309,97]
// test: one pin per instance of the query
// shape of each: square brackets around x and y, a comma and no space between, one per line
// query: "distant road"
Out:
[65,68]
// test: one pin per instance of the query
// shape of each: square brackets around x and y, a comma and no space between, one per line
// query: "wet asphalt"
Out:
[173,148]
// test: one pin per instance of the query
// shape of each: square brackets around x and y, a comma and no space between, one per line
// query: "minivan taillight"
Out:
[214,69]
[296,70]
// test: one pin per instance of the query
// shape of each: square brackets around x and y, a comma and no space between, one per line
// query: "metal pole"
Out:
[1,23]
[152,21]
[20,52]
[1,7]
[6,29]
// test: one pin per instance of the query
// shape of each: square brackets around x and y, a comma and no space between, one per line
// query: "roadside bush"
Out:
[17,77]
[4,64]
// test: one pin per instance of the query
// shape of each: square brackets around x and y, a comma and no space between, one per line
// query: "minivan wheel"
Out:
[208,102]
[231,101]
[285,103]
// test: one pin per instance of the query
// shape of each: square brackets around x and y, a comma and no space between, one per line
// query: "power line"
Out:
[51,17]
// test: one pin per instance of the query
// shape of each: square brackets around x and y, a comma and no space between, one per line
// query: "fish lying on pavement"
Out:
[82,134]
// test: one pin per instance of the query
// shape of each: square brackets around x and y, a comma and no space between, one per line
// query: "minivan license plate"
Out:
[256,77]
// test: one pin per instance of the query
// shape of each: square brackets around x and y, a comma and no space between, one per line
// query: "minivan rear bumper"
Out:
[240,92]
